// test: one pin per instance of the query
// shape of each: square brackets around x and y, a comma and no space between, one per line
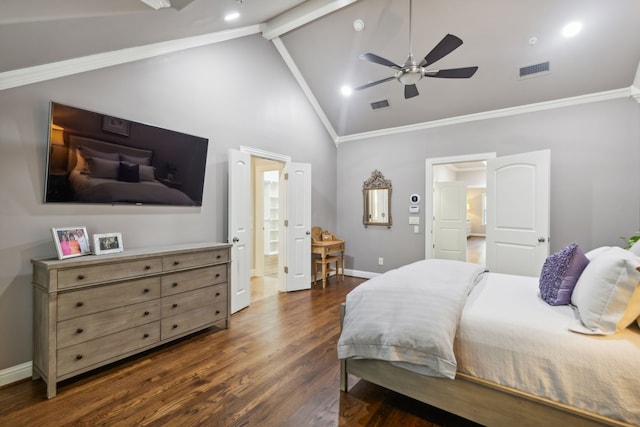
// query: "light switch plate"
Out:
[414,220]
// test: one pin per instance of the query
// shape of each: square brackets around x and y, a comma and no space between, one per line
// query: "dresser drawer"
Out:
[194,319]
[185,301]
[99,298]
[85,328]
[108,272]
[194,259]
[93,352]
[193,279]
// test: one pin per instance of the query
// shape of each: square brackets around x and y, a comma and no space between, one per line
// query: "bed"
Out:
[102,172]
[516,359]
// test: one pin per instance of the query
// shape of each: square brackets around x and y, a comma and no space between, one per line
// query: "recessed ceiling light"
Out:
[232,16]
[346,90]
[571,29]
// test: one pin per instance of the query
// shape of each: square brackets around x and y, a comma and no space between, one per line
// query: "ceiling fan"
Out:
[411,72]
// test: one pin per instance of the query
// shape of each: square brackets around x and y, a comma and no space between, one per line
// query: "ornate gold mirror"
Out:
[376,192]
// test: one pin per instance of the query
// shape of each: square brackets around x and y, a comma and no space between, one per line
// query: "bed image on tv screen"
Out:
[96,158]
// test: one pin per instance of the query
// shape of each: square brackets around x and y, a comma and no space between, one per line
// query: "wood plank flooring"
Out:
[275,366]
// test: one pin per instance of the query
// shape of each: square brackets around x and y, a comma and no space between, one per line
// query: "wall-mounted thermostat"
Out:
[415,198]
[414,208]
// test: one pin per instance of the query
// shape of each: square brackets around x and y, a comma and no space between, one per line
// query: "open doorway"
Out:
[470,172]
[266,175]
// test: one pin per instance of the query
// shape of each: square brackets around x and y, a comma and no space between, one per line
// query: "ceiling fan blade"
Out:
[447,45]
[452,73]
[410,91]
[371,57]
[377,82]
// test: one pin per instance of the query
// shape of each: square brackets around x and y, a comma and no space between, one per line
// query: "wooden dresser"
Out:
[94,310]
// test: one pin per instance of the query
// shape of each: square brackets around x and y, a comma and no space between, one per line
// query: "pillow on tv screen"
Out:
[607,294]
[560,274]
[101,168]
[129,172]
[88,152]
[141,160]
[147,173]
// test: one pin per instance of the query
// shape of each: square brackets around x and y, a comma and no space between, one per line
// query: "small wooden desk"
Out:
[326,247]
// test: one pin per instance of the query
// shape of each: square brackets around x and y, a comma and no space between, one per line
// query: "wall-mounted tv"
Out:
[98,158]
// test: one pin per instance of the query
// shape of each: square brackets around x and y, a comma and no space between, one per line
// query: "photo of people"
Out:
[107,243]
[71,241]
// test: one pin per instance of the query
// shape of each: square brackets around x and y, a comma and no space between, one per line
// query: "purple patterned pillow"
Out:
[560,274]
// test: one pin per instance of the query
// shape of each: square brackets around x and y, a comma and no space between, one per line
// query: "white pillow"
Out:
[607,294]
[594,253]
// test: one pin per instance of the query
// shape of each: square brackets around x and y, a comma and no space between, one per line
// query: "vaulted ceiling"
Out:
[320,44]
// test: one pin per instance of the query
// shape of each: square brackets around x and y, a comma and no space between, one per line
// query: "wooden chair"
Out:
[319,267]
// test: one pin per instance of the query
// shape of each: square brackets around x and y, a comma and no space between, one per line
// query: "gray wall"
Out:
[197,91]
[595,176]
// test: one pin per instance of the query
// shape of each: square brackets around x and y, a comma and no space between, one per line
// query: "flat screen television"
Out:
[98,158]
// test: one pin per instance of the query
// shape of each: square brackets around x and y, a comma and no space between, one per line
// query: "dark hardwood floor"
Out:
[275,366]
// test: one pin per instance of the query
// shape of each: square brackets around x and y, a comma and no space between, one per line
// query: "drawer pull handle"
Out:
[175,326]
[147,267]
[146,313]
[217,275]
[79,304]
[176,262]
[146,335]
[146,290]
[218,256]
[217,294]
[79,357]
[174,305]
[174,284]
[217,311]
[79,330]
[80,276]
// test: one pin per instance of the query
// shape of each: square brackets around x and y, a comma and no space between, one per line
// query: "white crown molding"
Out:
[523,109]
[635,93]
[40,73]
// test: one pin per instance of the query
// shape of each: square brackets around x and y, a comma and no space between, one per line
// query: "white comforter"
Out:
[419,336]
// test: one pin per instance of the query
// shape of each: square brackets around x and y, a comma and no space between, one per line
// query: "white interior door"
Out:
[240,228]
[518,213]
[450,220]
[296,242]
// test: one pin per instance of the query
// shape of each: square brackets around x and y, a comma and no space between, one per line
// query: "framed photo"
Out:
[107,243]
[115,125]
[71,241]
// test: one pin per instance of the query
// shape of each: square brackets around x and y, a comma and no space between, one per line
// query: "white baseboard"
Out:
[15,373]
[358,273]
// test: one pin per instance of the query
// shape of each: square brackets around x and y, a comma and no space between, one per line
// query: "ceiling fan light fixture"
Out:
[410,77]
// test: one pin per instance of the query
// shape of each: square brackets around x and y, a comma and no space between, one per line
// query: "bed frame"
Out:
[484,402]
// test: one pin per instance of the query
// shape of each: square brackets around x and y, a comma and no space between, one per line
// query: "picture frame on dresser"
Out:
[71,241]
[107,243]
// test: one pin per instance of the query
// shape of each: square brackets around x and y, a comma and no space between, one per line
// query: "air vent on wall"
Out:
[378,105]
[534,70]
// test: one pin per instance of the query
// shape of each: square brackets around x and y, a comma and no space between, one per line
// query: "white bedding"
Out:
[419,337]
[509,336]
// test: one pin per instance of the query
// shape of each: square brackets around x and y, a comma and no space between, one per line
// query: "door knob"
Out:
[541,239]
[236,240]
[308,232]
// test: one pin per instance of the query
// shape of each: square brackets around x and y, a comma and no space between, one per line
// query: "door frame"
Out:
[428,188]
